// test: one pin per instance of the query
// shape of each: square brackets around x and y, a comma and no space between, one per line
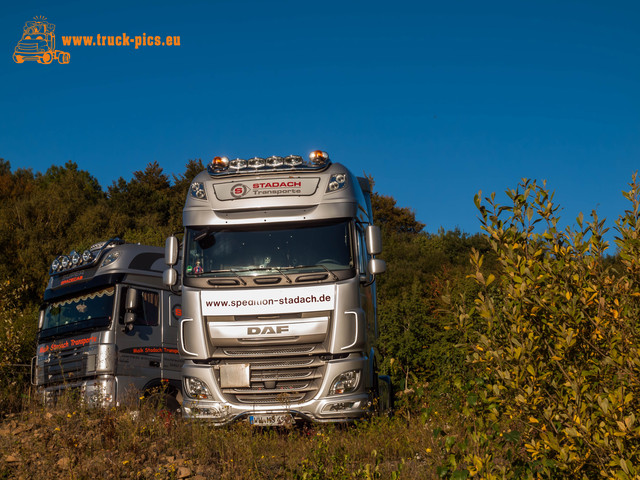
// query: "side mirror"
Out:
[130,306]
[377,266]
[373,238]
[170,277]
[41,319]
[171,248]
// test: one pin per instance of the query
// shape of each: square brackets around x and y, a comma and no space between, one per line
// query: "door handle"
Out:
[154,363]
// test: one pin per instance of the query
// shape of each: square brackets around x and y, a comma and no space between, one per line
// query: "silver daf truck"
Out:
[108,328]
[278,293]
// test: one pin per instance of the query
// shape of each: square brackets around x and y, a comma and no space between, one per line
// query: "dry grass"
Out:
[71,442]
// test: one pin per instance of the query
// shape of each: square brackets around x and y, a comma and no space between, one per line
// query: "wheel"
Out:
[385,395]
[63,58]
[162,401]
[18,58]
[47,58]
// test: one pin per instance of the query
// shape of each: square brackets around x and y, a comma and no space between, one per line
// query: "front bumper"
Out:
[96,392]
[322,408]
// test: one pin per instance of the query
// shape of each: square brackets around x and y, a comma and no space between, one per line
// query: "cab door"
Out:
[138,339]
[170,319]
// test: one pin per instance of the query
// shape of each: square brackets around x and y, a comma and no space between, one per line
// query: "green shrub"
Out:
[555,343]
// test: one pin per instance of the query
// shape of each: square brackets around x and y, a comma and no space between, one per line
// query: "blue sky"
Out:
[436,100]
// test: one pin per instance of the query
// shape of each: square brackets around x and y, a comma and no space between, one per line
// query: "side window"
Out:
[147,309]
[147,313]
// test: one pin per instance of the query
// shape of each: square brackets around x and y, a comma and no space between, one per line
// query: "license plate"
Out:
[273,420]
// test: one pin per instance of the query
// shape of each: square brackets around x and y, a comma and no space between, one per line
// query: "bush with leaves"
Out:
[557,341]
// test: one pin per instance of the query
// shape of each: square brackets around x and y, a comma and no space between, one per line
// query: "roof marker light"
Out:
[109,259]
[293,160]
[238,164]
[318,157]
[219,164]
[337,182]
[197,191]
[274,161]
[256,162]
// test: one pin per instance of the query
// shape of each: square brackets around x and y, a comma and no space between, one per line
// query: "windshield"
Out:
[212,252]
[84,312]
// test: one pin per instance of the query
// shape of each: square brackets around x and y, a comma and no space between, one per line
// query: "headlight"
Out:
[196,388]
[55,265]
[64,261]
[75,258]
[346,382]
[86,256]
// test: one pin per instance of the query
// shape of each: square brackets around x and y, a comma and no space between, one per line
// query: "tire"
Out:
[46,58]
[162,401]
[63,58]
[385,395]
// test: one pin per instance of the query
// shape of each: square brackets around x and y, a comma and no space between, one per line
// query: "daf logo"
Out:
[268,330]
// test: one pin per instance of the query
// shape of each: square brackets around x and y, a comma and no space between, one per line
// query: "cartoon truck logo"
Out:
[38,43]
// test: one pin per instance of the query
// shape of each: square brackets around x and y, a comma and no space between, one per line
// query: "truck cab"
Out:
[38,43]
[279,301]
[108,327]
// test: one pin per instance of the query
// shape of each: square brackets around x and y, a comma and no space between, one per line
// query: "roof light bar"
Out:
[74,261]
[318,160]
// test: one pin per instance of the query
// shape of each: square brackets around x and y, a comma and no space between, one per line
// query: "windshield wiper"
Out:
[335,277]
[221,281]
[279,270]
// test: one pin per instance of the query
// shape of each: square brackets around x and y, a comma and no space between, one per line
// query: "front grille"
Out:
[28,47]
[265,351]
[66,367]
[283,381]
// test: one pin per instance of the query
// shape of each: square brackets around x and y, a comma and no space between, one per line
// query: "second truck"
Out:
[278,293]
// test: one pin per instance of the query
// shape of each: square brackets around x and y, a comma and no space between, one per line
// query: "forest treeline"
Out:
[43,215]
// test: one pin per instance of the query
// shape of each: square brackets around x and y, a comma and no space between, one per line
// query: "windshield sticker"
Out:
[72,342]
[268,301]
[274,187]
[153,349]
